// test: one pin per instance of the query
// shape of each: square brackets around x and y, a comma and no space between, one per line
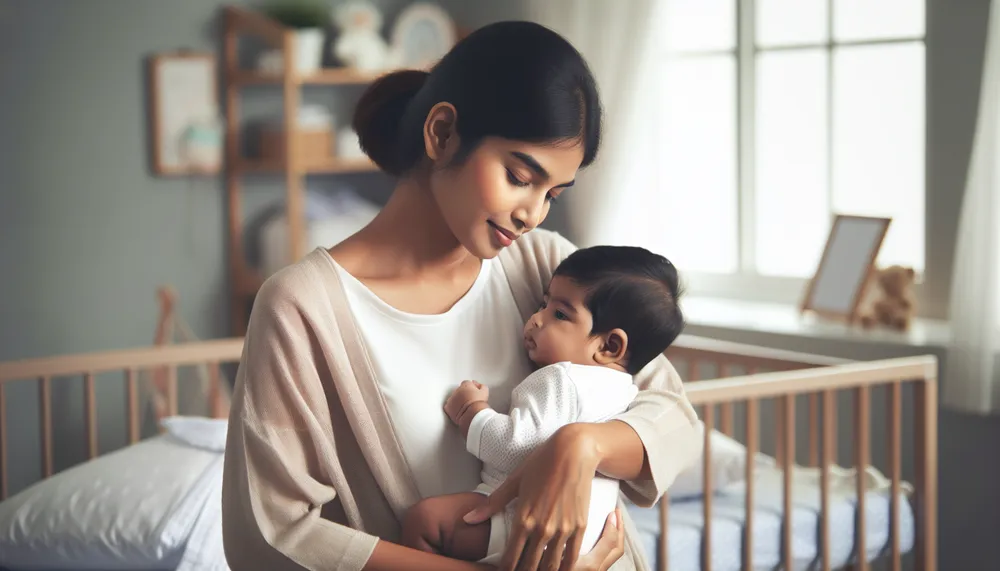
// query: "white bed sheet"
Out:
[686,526]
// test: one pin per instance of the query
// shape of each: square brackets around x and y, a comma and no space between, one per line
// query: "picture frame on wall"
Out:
[185,129]
[844,269]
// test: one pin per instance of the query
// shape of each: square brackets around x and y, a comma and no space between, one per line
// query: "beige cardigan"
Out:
[314,474]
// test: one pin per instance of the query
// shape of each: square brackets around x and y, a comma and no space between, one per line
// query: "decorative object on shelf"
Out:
[889,300]
[307,18]
[348,144]
[330,218]
[422,35]
[846,266]
[183,114]
[201,145]
[359,44]
[314,132]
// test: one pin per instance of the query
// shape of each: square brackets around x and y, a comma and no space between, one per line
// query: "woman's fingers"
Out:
[553,555]
[515,546]
[572,552]
[495,502]
[608,549]
[538,539]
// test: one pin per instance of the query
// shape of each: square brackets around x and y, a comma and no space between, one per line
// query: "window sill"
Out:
[786,320]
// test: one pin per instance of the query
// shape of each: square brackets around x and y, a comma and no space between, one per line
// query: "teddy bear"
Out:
[359,45]
[891,301]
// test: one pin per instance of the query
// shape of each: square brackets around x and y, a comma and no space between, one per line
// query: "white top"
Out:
[482,333]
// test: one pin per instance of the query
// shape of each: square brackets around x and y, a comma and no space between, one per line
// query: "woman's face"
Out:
[502,190]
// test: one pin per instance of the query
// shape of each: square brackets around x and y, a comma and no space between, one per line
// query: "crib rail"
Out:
[130,362]
[745,378]
[819,380]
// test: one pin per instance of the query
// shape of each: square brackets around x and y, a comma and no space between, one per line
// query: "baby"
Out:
[608,311]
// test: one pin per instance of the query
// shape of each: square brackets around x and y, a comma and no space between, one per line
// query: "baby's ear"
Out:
[613,348]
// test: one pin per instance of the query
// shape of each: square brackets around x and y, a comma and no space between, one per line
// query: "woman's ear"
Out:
[613,347]
[440,135]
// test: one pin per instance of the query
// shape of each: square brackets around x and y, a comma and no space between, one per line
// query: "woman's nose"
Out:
[530,215]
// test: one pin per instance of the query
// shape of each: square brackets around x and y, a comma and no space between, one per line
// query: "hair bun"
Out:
[379,113]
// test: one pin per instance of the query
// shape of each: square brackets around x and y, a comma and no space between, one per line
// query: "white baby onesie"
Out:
[546,400]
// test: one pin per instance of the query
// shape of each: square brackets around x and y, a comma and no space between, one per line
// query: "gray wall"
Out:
[87,234]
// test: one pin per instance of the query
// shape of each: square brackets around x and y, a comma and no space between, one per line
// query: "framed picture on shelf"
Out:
[184,123]
[845,267]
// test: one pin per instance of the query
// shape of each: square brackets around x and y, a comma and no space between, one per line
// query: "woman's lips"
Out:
[504,237]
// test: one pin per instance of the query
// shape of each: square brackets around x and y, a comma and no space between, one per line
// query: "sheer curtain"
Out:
[618,40]
[972,378]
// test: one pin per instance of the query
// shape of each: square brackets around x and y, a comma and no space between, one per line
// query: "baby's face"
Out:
[560,329]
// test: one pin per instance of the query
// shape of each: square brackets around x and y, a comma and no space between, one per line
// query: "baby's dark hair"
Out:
[631,289]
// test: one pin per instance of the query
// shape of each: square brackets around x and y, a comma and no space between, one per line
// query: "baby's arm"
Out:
[543,403]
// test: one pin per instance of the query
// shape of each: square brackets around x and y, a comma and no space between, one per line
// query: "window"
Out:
[774,115]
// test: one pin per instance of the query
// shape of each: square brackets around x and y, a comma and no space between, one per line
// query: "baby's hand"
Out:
[467,393]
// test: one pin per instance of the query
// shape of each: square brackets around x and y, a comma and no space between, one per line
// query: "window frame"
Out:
[746,284]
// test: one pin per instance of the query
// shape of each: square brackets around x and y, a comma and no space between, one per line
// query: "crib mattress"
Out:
[686,528]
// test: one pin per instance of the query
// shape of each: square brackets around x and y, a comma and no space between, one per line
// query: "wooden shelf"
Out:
[326,76]
[333,166]
[245,280]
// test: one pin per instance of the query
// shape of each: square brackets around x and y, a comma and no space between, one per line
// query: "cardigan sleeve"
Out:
[280,445]
[660,414]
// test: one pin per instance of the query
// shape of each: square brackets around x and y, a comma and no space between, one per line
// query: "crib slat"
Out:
[827,433]
[663,561]
[813,429]
[90,414]
[693,371]
[726,419]
[132,396]
[753,438]
[779,442]
[172,390]
[706,546]
[788,434]
[895,468]
[862,432]
[3,444]
[45,399]
[926,453]
[215,391]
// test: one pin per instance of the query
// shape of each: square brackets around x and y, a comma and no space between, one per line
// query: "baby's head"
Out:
[613,306]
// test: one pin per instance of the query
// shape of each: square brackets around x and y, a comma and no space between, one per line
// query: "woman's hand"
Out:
[608,549]
[553,489]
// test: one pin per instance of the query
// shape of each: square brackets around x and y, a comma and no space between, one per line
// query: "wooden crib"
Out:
[745,380]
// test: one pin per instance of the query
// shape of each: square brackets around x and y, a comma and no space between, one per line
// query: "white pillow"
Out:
[130,509]
[727,464]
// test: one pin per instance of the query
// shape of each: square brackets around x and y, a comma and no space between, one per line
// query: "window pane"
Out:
[877,19]
[792,196]
[696,210]
[791,22]
[700,25]
[878,142]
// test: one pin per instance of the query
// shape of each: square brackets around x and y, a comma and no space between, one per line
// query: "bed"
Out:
[775,478]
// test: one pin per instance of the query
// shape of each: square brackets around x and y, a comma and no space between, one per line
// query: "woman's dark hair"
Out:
[514,80]
[631,289]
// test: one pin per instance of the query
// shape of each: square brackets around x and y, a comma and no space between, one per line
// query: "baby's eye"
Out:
[562,316]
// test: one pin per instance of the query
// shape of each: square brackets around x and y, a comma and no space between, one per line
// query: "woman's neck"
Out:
[409,236]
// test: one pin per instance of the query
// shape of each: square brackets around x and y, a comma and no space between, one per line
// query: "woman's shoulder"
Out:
[303,286]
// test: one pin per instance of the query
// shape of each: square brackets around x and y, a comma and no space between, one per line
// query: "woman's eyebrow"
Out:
[534,165]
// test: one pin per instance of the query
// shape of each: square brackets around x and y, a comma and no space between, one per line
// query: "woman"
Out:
[337,424]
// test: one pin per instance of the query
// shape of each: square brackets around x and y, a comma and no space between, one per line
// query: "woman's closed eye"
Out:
[513,179]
